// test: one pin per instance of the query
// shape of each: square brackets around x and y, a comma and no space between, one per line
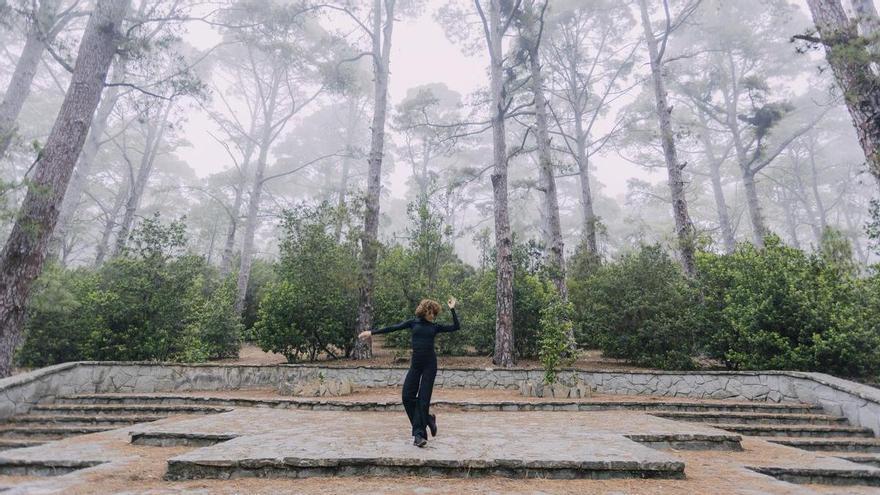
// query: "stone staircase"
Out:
[797,425]
[49,422]
[813,430]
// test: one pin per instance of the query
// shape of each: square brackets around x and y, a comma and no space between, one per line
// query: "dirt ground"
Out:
[708,473]
[383,356]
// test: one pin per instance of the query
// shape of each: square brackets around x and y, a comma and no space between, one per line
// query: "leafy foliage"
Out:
[311,308]
[781,308]
[152,303]
[56,328]
[642,309]
[555,345]
[532,289]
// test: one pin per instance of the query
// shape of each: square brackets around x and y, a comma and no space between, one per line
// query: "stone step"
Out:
[815,431]
[746,418]
[679,441]
[253,457]
[49,432]
[22,467]
[80,419]
[305,468]
[867,476]
[119,409]
[866,459]
[393,405]
[170,439]
[18,443]
[829,445]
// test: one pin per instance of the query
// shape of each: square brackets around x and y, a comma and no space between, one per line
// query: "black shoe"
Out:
[419,441]
[432,424]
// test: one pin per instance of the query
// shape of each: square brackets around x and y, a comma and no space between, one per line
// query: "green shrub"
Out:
[555,338]
[142,309]
[582,265]
[312,308]
[216,324]
[642,309]
[154,302]
[263,273]
[57,324]
[531,292]
[781,308]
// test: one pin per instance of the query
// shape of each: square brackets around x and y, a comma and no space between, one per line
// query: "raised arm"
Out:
[450,328]
[393,328]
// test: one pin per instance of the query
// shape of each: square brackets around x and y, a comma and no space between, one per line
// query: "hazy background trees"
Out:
[564,147]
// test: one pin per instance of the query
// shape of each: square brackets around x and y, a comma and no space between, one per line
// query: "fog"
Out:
[817,179]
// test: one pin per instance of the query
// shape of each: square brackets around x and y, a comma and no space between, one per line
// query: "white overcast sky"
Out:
[421,54]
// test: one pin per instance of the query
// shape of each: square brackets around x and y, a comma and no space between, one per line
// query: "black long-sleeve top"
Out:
[423,331]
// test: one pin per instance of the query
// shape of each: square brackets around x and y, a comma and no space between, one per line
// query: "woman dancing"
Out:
[419,381]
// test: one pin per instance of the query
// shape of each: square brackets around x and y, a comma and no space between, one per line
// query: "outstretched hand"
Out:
[365,334]
[451,303]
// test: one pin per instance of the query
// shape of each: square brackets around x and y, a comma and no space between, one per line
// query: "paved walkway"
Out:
[279,438]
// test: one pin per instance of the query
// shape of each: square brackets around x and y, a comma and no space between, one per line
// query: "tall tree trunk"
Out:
[791,222]
[854,75]
[25,69]
[583,164]
[756,214]
[21,260]
[155,133]
[722,209]
[869,25]
[342,192]
[812,211]
[753,203]
[582,158]
[250,229]
[545,165]
[684,228]
[232,229]
[715,163]
[504,336]
[86,158]
[252,221]
[854,231]
[369,241]
[821,214]
[110,225]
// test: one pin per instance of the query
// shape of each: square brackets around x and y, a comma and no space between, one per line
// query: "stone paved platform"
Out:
[128,468]
[295,444]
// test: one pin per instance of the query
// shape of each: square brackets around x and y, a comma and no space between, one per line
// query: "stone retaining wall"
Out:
[859,403]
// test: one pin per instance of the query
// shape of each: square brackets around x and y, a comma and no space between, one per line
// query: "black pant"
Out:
[417,388]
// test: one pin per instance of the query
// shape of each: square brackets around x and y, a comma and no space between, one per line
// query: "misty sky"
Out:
[421,54]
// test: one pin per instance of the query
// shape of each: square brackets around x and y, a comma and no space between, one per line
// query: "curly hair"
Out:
[428,307]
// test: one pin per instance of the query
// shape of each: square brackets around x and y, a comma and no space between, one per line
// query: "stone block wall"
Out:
[859,403]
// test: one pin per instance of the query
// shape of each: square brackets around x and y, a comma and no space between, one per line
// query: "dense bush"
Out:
[781,308]
[263,274]
[56,328]
[642,309]
[582,265]
[771,308]
[532,290]
[154,302]
[555,340]
[312,308]
[215,323]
